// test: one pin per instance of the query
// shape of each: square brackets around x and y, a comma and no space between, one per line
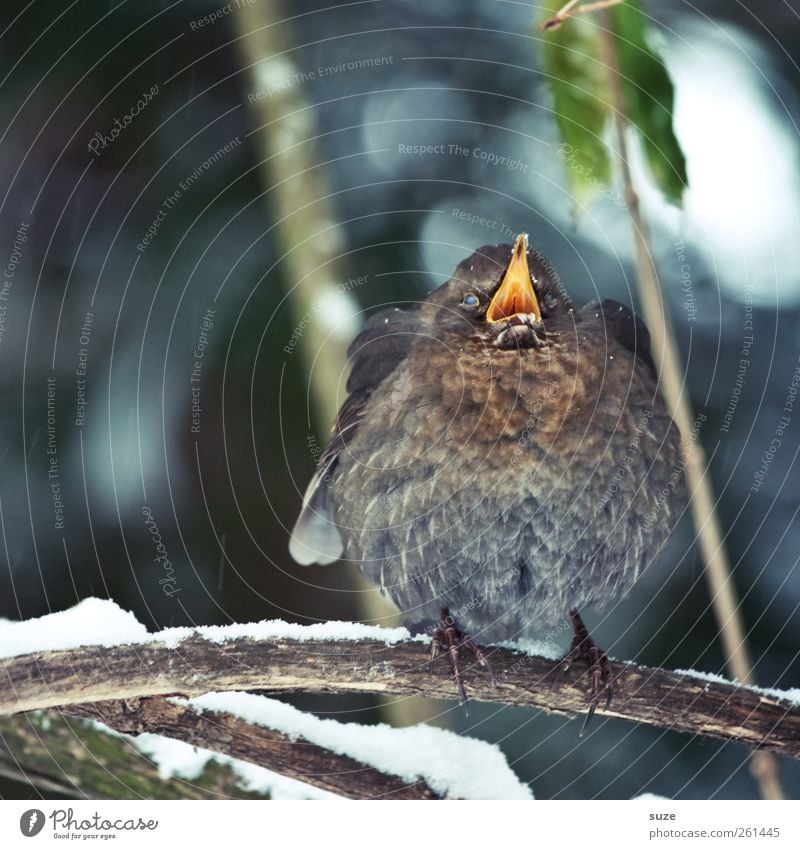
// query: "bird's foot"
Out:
[450,637]
[584,647]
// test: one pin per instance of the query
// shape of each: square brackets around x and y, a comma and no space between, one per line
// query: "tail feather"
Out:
[315,537]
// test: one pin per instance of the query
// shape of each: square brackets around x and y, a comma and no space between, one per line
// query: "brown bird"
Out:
[502,458]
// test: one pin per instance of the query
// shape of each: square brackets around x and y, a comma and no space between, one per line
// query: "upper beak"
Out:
[515,295]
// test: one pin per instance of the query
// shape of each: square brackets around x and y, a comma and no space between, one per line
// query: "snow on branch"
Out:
[250,732]
[57,661]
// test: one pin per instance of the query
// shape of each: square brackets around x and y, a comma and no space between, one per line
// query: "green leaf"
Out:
[649,97]
[571,57]
[579,83]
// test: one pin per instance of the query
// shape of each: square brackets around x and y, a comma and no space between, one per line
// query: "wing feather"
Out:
[373,356]
[622,324]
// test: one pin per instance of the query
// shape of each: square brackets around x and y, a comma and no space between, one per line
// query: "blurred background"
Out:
[201,202]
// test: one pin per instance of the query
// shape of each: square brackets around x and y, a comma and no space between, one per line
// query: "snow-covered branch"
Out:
[248,741]
[57,662]
[234,744]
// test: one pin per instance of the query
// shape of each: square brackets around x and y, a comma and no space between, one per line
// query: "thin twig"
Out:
[724,597]
[569,11]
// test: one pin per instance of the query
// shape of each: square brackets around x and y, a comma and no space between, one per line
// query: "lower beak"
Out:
[515,295]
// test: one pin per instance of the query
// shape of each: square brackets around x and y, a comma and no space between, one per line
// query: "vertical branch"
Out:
[724,598]
[309,232]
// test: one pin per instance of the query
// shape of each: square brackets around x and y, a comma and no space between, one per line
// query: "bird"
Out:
[502,460]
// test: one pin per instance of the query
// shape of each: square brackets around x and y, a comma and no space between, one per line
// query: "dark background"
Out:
[224,498]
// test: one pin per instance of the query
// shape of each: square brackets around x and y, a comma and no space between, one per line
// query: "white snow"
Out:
[541,648]
[176,759]
[792,695]
[93,621]
[453,766]
[101,622]
[277,629]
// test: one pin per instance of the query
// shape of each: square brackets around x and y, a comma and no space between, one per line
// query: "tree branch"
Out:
[75,760]
[657,697]
[233,736]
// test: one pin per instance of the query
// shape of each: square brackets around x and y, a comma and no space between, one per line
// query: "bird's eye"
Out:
[470,300]
[550,301]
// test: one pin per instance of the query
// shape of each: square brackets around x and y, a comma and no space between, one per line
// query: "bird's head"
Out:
[508,296]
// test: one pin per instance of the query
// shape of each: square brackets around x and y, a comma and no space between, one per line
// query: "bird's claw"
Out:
[584,647]
[448,635]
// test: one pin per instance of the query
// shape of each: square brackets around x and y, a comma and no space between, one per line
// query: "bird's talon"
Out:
[588,717]
[436,647]
[583,646]
[447,634]
[464,699]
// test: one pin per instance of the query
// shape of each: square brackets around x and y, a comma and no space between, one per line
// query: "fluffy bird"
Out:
[502,459]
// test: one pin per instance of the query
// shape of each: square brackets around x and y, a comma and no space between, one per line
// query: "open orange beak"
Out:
[515,295]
